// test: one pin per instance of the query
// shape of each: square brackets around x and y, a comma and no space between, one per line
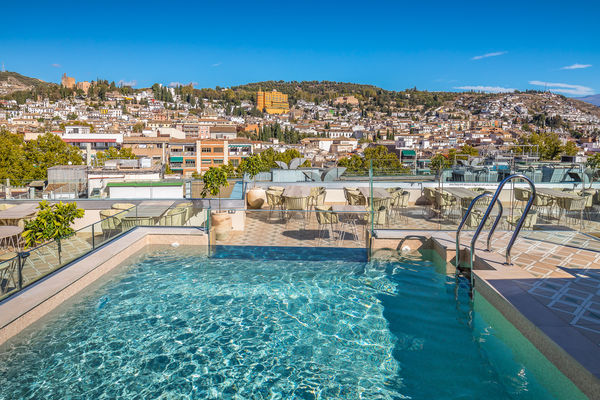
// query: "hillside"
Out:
[11,82]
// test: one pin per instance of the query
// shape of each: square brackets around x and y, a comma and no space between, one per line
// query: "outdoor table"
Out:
[348,215]
[557,193]
[296,191]
[150,209]
[378,193]
[462,193]
[345,208]
[10,235]
[14,215]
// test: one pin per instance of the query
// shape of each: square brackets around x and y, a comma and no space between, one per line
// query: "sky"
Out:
[433,45]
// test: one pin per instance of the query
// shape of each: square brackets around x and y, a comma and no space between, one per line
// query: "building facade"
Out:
[272,102]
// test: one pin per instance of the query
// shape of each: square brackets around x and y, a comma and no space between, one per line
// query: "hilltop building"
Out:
[272,102]
[67,81]
[85,86]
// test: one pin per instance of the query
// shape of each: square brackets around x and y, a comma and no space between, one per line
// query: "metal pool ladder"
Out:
[486,216]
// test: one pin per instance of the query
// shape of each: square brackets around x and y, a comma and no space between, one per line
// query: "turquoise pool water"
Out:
[266,323]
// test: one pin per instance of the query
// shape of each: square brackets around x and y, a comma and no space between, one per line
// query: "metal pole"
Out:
[93,238]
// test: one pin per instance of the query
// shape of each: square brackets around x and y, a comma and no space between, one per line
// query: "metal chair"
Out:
[110,222]
[274,200]
[295,206]
[326,219]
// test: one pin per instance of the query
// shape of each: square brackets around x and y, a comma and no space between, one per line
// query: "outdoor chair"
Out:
[189,210]
[174,217]
[296,207]
[357,199]
[430,197]
[445,203]
[529,222]
[573,208]
[326,221]
[378,217]
[110,222]
[274,200]
[400,202]
[132,222]
[522,195]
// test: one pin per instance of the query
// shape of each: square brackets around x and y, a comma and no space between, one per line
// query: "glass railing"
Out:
[27,266]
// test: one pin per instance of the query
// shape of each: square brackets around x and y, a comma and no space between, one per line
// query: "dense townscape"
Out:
[180,130]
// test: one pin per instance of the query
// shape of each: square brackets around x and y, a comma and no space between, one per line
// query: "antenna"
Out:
[3,70]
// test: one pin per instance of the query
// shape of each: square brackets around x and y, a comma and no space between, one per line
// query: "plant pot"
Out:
[255,198]
[221,225]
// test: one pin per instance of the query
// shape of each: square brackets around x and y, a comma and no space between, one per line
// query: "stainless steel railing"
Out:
[464,220]
[486,216]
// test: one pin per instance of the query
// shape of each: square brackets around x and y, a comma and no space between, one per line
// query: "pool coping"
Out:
[575,355]
[33,302]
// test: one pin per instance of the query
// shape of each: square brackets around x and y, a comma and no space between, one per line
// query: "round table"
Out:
[10,235]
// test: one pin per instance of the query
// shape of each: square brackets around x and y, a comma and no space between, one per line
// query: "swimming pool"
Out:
[276,323]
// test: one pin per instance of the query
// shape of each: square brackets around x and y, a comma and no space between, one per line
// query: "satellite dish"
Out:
[281,164]
[296,162]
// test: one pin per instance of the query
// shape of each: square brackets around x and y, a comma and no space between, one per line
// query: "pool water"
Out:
[286,324]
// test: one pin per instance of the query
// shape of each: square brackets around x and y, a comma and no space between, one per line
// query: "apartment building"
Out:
[188,156]
[155,148]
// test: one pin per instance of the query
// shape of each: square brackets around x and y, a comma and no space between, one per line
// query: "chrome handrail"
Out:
[464,220]
[489,210]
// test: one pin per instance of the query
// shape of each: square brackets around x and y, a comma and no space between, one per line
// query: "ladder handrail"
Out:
[489,210]
[464,220]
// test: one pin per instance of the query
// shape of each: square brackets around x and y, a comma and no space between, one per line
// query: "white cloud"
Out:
[494,54]
[55,65]
[132,83]
[575,90]
[217,64]
[490,89]
[577,66]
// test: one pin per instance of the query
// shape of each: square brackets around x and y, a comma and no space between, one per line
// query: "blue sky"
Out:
[433,45]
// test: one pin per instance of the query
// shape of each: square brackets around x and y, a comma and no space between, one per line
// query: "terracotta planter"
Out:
[221,225]
[255,198]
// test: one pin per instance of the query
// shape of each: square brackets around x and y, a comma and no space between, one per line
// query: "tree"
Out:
[13,164]
[251,166]
[439,162]
[548,144]
[53,221]
[72,116]
[379,157]
[570,149]
[48,150]
[138,127]
[214,179]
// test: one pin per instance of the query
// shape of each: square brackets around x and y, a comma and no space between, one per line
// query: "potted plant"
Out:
[255,196]
[53,221]
[214,179]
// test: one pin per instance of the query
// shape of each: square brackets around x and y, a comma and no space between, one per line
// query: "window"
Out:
[235,162]
[190,163]
[218,161]
[218,149]
[206,149]
[206,161]
[142,146]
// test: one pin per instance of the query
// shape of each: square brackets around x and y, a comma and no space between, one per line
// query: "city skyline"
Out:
[390,45]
